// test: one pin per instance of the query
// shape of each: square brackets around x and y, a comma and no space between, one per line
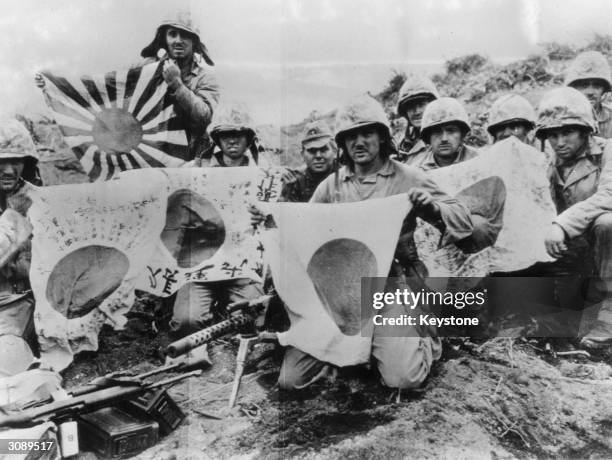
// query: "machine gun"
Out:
[102,392]
[242,321]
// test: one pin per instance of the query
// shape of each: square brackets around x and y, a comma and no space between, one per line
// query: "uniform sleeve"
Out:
[456,222]
[576,219]
[199,104]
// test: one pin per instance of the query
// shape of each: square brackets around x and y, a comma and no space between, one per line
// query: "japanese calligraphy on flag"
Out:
[117,121]
[90,243]
[508,193]
[318,255]
[208,234]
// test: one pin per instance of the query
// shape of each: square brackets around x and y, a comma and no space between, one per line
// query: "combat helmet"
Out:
[564,107]
[511,108]
[415,87]
[443,111]
[234,117]
[181,20]
[16,142]
[589,65]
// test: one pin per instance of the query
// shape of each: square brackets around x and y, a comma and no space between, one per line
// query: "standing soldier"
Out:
[590,74]
[318,151]
[191,85]
[415,94]
[511,115]
[444,127]
[581,185]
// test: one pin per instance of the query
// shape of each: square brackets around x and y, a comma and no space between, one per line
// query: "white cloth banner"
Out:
[90,243]
[318,255]
[208,234]
[506,184]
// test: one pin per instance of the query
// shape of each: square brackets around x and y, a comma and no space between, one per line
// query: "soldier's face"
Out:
[446,140]
[567,142]
[319,159]
[10,173]
[414,111]
[593,89]
[180,43]
[363,145]
[516,129]
[233,144]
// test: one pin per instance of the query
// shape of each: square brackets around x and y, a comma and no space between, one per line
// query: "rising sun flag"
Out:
[117,121]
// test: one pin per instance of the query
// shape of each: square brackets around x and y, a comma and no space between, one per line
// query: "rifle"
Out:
[102,392]
[243,323]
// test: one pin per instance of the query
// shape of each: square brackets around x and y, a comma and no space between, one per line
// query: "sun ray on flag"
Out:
[158,156]
[64,120]
[110,81]
[173,137]
[75,141]
[152,103]
[68,107]
[137,160]
[100,82]
[65,87]
[120,82]
[81,85]
[131,80]
[143,82]
[163,117]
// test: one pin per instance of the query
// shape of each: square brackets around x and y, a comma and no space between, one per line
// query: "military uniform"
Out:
[196,99]
[16,299]
[411,147]
[403,361]
[192,307]
[302,189]
[592,65]
[582,191]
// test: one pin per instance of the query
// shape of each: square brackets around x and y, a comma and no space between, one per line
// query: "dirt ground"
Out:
[504,398]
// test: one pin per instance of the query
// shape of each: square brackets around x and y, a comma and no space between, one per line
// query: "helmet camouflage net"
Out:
[415,87]
[442,112]
[511,108]
[590,65]
[564,107]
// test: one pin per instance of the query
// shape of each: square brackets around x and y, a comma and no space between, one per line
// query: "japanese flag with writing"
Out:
[318,256]
[208,234]
[90,243]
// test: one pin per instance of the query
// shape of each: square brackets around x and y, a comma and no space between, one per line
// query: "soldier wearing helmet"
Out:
[414,95]
[365,143]
[192,86]
[318,152]
[233,136]
[511,115]
[581,186]
[18,172]
[444,127]
[235,140]
[590,74]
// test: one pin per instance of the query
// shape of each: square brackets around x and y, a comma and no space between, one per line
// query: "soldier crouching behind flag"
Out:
[18,169]
[364,138]
[192,308]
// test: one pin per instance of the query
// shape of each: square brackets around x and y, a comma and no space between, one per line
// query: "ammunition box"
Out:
[114,433]
[159,406]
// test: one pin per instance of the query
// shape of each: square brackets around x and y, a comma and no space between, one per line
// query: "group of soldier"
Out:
[359,160]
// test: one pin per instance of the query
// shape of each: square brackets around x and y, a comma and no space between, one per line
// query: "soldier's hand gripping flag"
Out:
[117,121]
